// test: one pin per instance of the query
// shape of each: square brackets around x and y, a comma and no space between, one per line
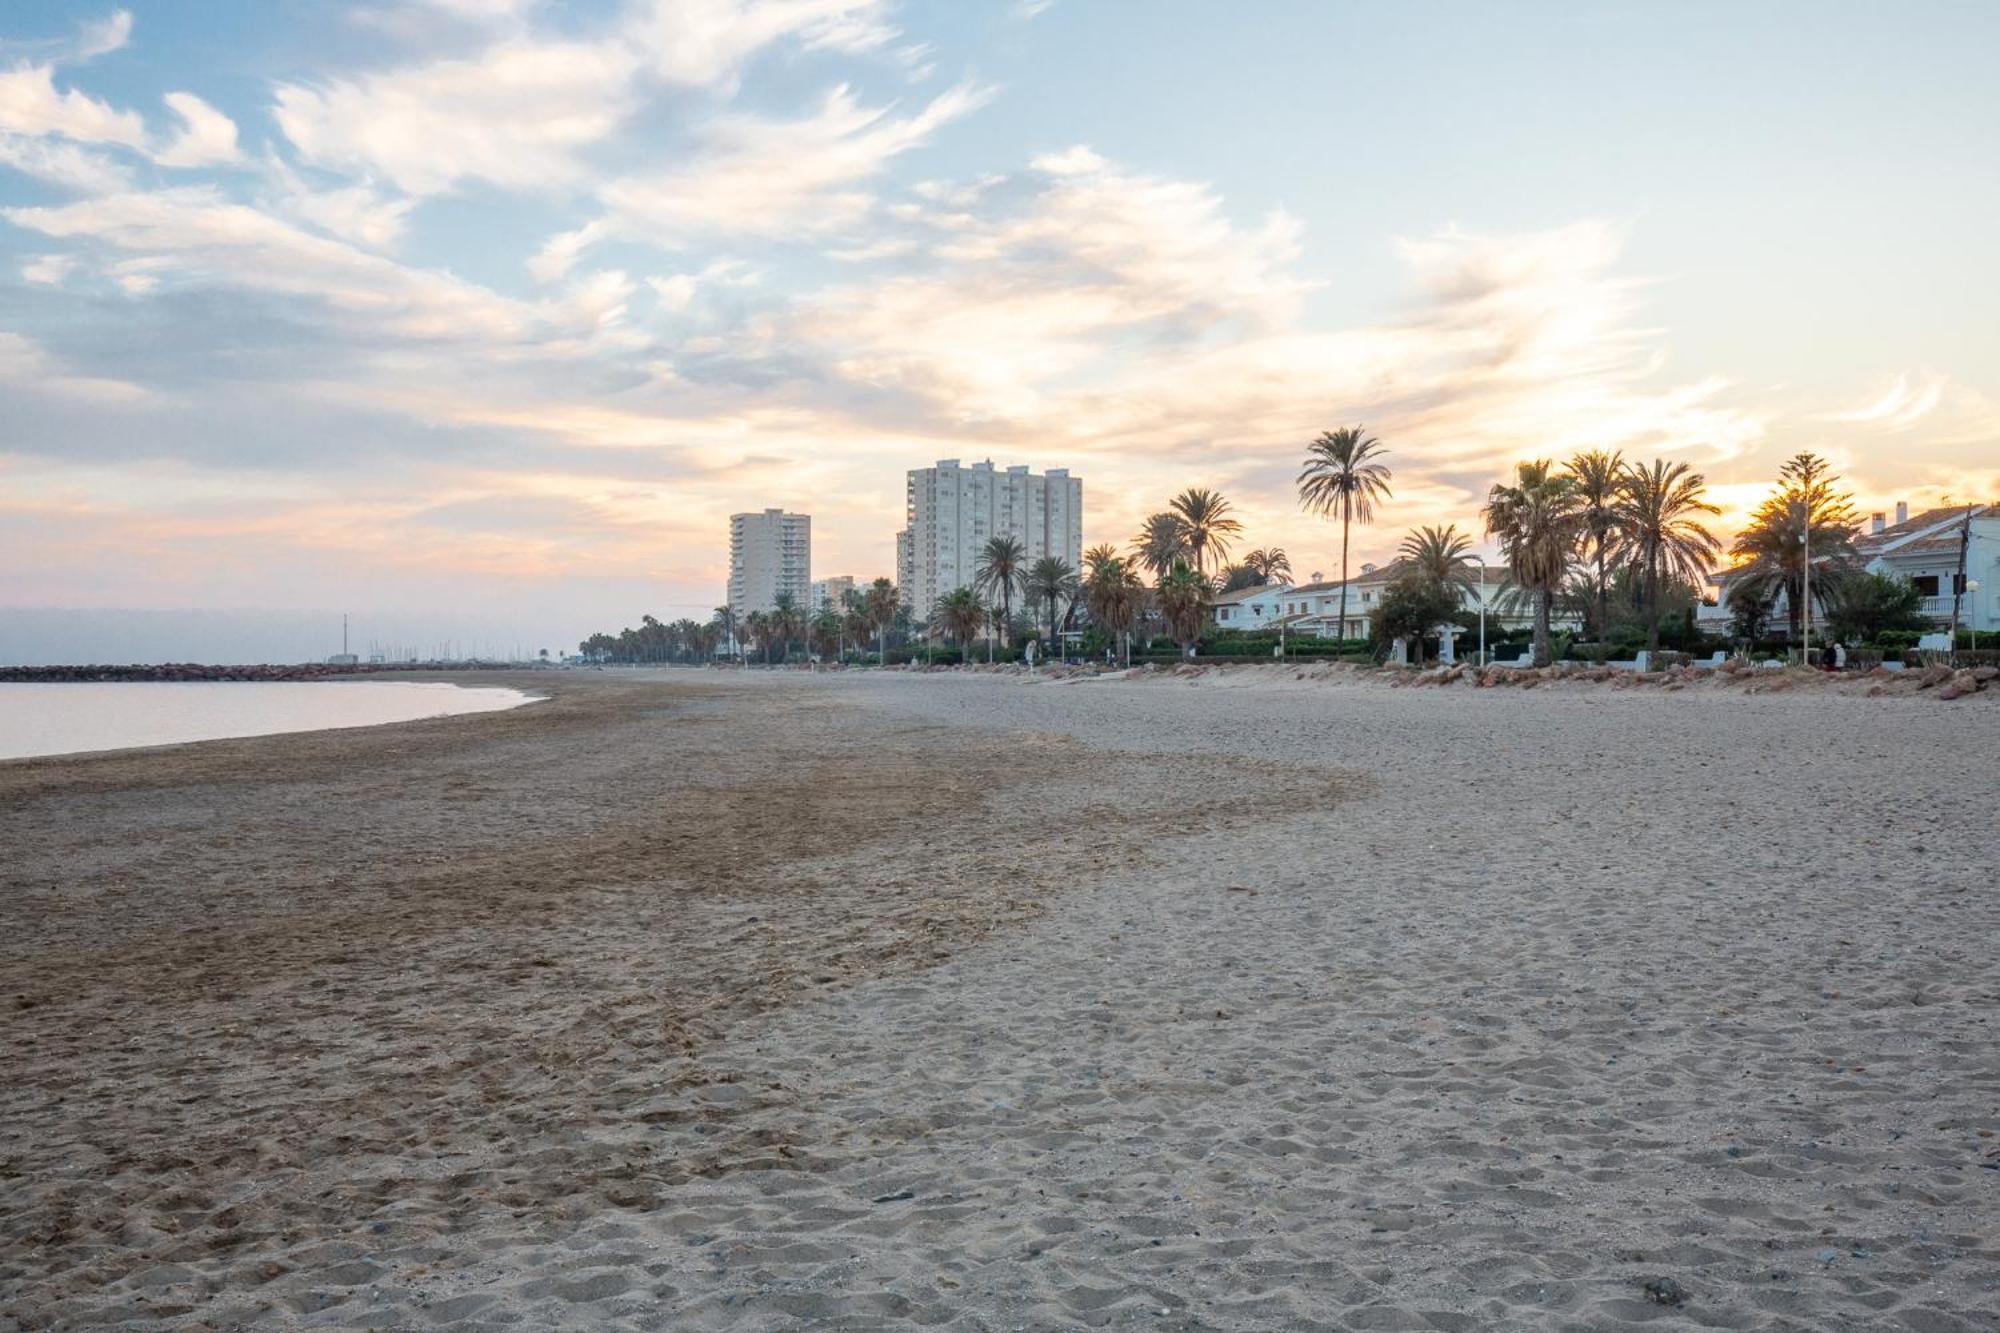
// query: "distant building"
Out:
[830,594]
[770,555]
[952,511]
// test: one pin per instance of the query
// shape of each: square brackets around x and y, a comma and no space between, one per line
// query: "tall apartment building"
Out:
[769,554]
[951,511]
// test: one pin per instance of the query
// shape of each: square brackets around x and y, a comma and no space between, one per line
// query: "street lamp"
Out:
[1482,608]
[1805,636]
[1972,590]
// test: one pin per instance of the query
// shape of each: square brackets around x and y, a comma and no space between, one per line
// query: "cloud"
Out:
[776,178]
[68,165]
[207,137]
[26,367]
[560,252]
[1905,403]
[209,239]
[358,213]
[103,36]
[677,292]
[701,43]
[30,103]
[519,112]
[515,116]
[48,270]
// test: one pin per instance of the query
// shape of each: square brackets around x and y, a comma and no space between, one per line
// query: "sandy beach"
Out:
[717,1000]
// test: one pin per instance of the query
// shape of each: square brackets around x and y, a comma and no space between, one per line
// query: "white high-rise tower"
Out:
[769,554]
[951,512]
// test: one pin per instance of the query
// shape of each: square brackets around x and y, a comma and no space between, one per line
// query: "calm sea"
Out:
[114,715]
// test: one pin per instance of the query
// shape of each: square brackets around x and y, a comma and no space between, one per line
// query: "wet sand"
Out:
[707,1000]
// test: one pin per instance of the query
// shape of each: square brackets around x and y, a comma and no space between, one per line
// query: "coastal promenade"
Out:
[695,1000]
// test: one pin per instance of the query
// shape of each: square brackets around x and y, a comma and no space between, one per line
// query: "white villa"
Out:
[1251,608]
[1314,608]
[1924,549]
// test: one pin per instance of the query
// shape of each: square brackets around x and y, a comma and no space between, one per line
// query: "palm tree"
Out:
[880,608]
[1341,476]
[1000,572]
[1268,563]
[1537,520]
[757,629]
[1183,598]
[1050,580]
[960,613]
[1441,556]
[725,626]
[1205,516]
[1600,487]
[787,622]
[825,633]
[1658,512]
[1112,592]
[1162,540]
[1806,513]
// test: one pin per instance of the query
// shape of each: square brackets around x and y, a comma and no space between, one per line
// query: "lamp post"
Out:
[1482,608]
[1972,591]
[1805,574]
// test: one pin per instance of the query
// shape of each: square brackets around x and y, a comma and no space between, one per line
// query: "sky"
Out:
[475,319]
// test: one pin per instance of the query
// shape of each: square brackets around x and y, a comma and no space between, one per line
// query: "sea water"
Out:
[44,719]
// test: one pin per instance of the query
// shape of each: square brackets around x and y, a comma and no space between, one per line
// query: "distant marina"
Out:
[44,719]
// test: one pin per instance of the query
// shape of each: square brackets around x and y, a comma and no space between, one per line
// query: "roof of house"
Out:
[1916,532]
[1386,574]
[1494,574]
[1245,594]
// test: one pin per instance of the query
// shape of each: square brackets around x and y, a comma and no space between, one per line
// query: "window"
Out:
[1926,584]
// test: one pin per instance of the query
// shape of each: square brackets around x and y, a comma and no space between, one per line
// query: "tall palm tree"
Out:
[1600,488]
[1659,512]
[757,629]
[725,626]
[1209,525]
[960,613]
[1050,582]
[1112,593]
[1537,520]
[880,605]
[999,573]
[1162,540]
[1773,547]
[1440,555]
[1342,475]
[1269,563]
[1183,597]
[787,622]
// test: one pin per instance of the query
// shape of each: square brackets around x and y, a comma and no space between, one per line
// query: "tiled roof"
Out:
[1873,543]
[1245,594]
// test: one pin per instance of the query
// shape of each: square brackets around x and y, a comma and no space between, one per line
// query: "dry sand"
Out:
[758,1002]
